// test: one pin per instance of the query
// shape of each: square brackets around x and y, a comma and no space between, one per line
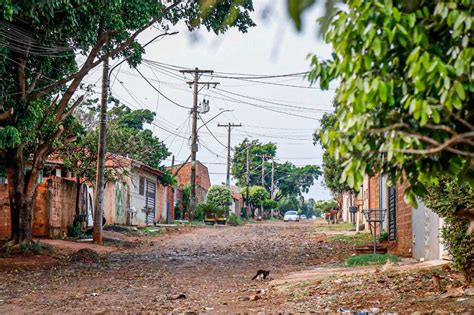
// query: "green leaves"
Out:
[377,47]
[296,8]
[459,90]
[404,95]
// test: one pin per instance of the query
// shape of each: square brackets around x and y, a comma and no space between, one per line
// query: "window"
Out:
[141,185]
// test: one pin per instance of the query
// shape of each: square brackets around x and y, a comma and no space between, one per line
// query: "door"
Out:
[150,202]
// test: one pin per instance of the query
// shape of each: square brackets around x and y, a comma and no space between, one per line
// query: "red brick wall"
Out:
[5,219]
[403,243]
[374,192]
[54,210]
[202,177]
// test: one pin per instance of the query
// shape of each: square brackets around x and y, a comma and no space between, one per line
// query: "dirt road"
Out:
[207,269]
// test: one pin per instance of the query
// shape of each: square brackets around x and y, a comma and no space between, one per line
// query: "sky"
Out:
[273,47]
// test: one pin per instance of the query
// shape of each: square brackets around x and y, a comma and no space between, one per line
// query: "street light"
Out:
[220,113]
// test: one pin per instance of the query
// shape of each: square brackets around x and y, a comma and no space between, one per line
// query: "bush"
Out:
[370,259]
[234,220]
[74,230]
[219,196]
[446,199]
[383,236]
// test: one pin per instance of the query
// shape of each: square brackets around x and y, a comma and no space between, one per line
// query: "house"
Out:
[183,175]
[140,197]
[412,232]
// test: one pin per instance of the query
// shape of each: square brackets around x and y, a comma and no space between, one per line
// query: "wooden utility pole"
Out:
[229,127]
[194,137]
[272,187]
[100,176]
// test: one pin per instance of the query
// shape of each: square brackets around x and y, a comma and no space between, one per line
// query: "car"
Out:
[302,217]
[291,216]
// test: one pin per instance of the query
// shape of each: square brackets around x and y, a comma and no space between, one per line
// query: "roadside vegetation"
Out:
[371,259]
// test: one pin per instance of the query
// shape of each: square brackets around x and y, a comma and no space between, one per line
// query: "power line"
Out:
[159,92]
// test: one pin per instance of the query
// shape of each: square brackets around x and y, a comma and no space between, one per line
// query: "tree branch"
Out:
[76,104]
[90,63]
[461,120]
[439,146]
[33,84]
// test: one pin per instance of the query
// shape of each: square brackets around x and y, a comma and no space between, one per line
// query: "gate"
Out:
[392,213]
[150,202]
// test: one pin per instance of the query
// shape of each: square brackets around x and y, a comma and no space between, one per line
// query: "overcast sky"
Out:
[272,47]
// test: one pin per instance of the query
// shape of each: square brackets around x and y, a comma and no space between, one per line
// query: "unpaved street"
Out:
[207,269]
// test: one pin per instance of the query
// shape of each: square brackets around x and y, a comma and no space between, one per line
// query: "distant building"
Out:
[183,175]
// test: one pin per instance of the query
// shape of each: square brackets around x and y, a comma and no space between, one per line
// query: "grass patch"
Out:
[356,239]
[150,231]
[370,259]
[343,226]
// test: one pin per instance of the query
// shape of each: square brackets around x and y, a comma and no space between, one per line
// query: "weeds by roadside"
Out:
[356,240]
[370,259]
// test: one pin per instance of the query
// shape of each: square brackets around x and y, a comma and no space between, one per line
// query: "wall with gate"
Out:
[54,210]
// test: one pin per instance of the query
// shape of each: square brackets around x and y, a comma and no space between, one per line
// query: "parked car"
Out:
[302,217]
[291,216]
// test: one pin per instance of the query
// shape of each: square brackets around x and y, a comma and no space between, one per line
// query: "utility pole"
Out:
[247,179]
[263,180]
[194,137]
[229,127]
[272,187]
[100,177]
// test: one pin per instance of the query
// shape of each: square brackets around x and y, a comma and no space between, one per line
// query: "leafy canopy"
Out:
[289,179]
[219,196]
[405,94]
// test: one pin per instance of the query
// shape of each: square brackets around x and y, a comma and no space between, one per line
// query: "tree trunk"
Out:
[22,190]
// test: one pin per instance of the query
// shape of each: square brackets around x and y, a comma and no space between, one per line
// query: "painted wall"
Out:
[426,226]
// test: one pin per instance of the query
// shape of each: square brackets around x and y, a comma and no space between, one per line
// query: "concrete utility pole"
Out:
[229,127]
[100,177]
[194,137]
[263,179]
[272,187]
[247,179]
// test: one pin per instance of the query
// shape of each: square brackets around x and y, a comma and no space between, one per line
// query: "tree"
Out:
[41,74]
[257,196]
[219,196]
[289,203]
[126,137]
[405,93]
[289,179]
[459,243]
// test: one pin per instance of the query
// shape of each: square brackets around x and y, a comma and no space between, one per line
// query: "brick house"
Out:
[139,199]
[412,232]
[183,175]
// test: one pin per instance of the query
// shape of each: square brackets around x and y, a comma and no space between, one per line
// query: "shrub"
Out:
[74,230]
[219,196]
[370,259]
[234,220]
[444,199]
[220,212]
[383,236]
